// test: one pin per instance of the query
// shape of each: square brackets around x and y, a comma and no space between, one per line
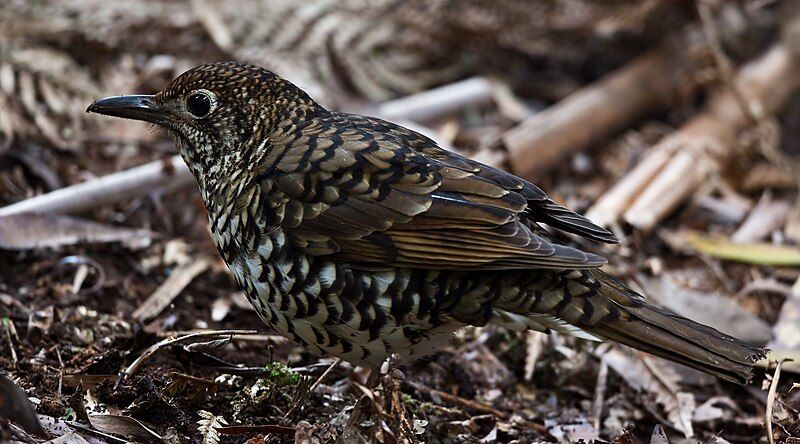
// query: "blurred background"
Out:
[674,123]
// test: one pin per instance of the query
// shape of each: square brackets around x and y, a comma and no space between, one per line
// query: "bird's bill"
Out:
[137,107]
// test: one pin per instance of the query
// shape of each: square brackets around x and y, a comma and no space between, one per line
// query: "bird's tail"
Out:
[611,310]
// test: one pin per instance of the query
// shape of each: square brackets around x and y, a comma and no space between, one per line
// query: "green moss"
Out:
[408,399]
[281,375]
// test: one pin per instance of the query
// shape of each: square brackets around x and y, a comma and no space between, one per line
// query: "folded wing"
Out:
[371,193]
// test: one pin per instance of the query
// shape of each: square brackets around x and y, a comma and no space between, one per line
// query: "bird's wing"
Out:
[371,193]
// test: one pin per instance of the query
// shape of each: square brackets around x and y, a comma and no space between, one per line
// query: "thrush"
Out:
[360,238]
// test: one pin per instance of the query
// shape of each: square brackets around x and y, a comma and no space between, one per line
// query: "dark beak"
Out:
[137,107]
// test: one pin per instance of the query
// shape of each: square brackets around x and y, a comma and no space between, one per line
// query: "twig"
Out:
[265,428]
[60,371]
[8,326]
[773,393]
[243,337]
[134,367]
[472,405]
[723,63]
[599,394]
[508,104]
[764,218]
[212,21]
[684,159]
[170,289]
[438,102]
[172,173]
[361,404]
[324,374]
[168,174]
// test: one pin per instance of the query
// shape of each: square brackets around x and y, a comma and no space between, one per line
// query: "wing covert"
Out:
[371,193]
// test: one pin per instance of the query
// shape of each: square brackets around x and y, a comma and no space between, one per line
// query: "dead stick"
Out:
[134,367]
[265,428]
[172,173]
[705,143]
[771,395]
[169,173]
[438,102]
[594,112]
[472,405]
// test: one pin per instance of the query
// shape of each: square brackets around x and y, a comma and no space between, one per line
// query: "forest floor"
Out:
[123,324]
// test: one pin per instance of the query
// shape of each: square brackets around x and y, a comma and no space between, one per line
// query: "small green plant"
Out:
[277,375]
[281,375]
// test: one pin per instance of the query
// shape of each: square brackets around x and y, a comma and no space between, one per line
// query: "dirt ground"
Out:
[120,323]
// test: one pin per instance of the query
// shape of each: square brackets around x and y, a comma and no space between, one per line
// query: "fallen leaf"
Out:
[123,426]
[716,310]
[652,375]
[658,436]
[535,343]
[710,410]
[69,438]
[15,406]
[572,432]
[759,253]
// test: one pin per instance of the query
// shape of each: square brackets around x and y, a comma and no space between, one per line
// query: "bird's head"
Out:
[220,115]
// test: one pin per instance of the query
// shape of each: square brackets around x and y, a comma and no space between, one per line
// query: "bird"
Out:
[360,239]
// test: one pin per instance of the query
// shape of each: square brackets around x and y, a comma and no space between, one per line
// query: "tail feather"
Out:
[633,322]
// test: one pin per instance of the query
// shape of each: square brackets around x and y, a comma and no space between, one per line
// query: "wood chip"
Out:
[767,216]
[785,330]
[170,289]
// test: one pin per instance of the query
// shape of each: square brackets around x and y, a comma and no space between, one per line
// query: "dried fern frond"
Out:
[207,426]
[120,25]
[42,96]
[384,48]
[377,49]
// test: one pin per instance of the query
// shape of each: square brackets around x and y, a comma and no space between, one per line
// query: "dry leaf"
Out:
[658,436]
[573,432]
[208,425]
[15,406]
[759,253]
[123,426]
[716,310]
[710,410]
[654,376]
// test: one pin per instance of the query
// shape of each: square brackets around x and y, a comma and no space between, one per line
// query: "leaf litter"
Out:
[69,286]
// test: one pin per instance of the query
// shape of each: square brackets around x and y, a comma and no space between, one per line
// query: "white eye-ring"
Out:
[200,103]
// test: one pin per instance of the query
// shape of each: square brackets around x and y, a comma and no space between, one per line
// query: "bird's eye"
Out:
[200,103]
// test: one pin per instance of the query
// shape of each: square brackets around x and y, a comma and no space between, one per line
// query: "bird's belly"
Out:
[361,317]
